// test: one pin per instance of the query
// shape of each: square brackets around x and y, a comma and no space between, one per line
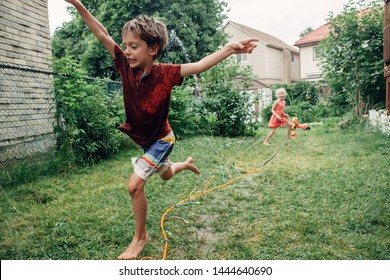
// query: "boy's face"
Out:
[137,51]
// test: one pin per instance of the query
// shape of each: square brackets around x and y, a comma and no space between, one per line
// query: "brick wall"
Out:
[25,35]
[26,93]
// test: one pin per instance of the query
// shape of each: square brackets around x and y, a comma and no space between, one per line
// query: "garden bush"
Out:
[87,116]
[227,104]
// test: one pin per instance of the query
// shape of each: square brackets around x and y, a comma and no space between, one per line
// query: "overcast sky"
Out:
[284,19]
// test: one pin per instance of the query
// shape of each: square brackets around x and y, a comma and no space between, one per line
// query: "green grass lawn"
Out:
[325,195]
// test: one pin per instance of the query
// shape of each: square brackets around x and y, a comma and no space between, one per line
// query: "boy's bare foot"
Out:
[266,143]
[191,166]
[134,250]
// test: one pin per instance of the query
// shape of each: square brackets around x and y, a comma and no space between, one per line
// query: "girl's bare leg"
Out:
[289,126]
[140,207]
[269,136]
[178,167]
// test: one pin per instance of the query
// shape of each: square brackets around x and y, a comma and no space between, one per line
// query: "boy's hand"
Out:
[245,46]
[72,1]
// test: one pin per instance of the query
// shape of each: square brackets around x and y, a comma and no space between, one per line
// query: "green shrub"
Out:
[227,106]
[301,91]
[183,114]
[306,112]
[352,56]
[87,116]
[304,101]
[266,114]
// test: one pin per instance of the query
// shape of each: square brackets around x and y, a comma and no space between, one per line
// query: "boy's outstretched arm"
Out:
[95,26]
[209,61]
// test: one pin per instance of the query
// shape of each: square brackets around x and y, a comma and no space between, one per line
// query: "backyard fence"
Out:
[27,112]
[380,120]
[260,101]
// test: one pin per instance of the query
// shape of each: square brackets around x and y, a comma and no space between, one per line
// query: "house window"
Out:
[292,58]
[316,53]
[242,57]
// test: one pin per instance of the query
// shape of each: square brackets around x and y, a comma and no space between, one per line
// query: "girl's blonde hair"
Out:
[280,91]
[150,30]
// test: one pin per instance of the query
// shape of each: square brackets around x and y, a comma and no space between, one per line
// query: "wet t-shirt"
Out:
[146,99]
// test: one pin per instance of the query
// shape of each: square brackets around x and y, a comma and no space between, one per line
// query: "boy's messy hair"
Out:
[150,30]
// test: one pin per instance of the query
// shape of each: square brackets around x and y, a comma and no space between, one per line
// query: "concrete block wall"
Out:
[24,33]
[26,89]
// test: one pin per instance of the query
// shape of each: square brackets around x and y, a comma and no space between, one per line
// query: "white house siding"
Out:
[274,63]
[271,60]
[26,94]
[310,69]
[256,59]
[295,71]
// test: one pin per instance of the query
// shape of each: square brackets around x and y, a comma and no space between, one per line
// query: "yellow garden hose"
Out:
[203,192]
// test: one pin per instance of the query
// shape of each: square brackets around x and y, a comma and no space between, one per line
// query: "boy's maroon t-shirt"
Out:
[146,99]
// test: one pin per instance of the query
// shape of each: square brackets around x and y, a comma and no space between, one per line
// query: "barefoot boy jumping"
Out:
[147,90]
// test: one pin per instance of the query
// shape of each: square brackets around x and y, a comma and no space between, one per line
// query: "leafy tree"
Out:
[301,91]
[184,112]
[352,55]
[87,116]
[227,100]
[195,28]
[306,31]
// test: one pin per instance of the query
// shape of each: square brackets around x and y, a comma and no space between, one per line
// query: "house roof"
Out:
[320,33]
[264,37]
[314,37]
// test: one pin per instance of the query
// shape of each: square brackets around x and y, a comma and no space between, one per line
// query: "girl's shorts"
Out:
[155,159]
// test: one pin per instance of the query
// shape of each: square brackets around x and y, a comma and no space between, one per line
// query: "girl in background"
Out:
[279,118]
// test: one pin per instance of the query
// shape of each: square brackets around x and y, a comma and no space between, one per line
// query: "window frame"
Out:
[316,53]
